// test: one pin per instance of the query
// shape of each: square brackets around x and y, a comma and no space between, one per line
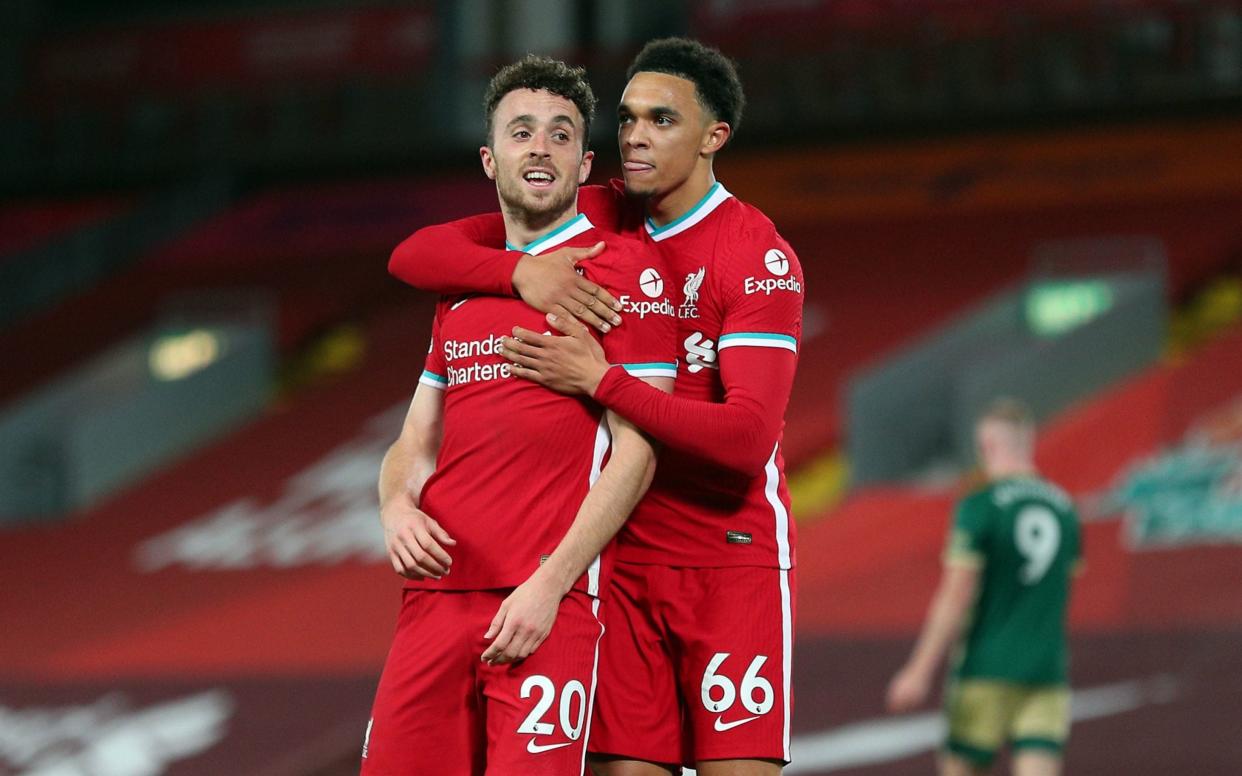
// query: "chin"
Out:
[639,190]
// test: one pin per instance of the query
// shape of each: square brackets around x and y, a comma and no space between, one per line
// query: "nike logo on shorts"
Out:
[534,748]
[722,726]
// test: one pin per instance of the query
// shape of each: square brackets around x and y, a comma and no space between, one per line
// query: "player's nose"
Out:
[634,137]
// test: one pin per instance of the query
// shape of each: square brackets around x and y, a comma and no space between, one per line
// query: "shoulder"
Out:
[1058,496]
[748,222]
[754,240]
[977,501]
[623,255]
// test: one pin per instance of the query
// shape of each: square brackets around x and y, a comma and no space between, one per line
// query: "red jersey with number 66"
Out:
[741,286]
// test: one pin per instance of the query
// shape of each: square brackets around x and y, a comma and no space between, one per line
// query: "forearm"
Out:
[404,471]
[945,619]
[604,510]
[451,258]
[739,433]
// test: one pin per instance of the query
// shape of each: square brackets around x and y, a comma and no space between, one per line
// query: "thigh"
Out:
[637,710]
[426,715]
[538,710]
[732,635]
[1035,762]
[1041,721]
[979,713]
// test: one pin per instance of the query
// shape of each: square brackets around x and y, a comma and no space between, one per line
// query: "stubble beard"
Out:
[538,215]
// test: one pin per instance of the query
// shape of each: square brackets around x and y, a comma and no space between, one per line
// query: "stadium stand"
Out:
[228,612]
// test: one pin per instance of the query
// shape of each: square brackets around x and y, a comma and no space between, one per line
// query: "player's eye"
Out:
[521,134]
[663,120]
[561,137]
[625,118]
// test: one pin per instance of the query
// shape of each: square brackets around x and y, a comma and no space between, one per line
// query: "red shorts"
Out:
[439,709]
[721,638]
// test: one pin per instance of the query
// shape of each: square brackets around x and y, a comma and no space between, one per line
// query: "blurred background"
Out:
[204,358]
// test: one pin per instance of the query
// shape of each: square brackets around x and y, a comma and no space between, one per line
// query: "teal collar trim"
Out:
[566,231]
[702,209]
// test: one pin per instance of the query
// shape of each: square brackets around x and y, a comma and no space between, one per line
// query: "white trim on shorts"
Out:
[590,710]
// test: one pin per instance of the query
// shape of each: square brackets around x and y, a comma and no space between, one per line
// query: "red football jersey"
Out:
[739,285]
[516,460]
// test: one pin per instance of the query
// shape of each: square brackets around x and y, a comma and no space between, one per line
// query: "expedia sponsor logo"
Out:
[651,283]
[737,537]
[644,308]
[766,286]
[776,261]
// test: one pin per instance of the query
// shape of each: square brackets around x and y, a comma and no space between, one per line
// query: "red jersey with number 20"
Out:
[516,460]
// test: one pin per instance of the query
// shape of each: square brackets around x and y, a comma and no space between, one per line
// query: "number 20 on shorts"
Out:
[719,692]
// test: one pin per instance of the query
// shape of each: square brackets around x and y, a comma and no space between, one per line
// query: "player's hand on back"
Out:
[572,364]
[414,540]
[524,620]
[550,284]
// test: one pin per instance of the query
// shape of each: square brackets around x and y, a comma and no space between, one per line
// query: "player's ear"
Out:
[489,162]
[715,137]
[584,168]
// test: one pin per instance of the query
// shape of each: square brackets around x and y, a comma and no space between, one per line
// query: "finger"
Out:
[601,294]
[584,254]
[405,559]
[518,346]
[530,646]
[498,647]
[569,326]
[437,531]
[533,338]
[528,374]
[430,546]
[517,358]
[595,314]
[498,620]
[395,560]
[420,560]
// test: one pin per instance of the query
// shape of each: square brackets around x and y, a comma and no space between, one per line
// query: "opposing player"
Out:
[499,495]
[1012,550]
[696,665]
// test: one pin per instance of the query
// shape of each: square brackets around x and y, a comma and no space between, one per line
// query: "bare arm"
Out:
[526,617]
[414,540]
[952,602]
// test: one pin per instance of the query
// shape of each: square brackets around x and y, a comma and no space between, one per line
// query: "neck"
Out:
[671,205]
[523,227]
[999,470]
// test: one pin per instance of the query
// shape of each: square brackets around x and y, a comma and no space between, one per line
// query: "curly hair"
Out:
[715,79]
[551,75]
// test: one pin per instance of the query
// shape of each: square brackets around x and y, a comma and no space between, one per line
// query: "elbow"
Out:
[401,259]
[752,457]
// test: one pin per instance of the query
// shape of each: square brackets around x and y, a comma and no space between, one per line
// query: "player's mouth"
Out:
[539,178]
[635,167]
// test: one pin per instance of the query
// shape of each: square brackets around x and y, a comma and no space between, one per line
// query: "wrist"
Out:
[520,272]
[397,497]
[597,383]
[554,577]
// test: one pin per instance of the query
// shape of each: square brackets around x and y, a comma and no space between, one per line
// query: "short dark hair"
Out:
[714,75]
[552,75]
